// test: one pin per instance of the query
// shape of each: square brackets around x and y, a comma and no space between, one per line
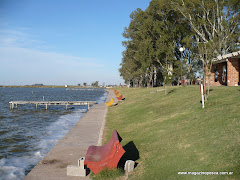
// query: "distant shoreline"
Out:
[46,86]
[30,86]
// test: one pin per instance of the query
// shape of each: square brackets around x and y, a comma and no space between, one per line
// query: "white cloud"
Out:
[22,64]
[17,38]
[16,56]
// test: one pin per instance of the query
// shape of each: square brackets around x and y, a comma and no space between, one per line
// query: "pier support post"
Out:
[46,106]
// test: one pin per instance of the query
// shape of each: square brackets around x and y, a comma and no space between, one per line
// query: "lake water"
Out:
[27,134]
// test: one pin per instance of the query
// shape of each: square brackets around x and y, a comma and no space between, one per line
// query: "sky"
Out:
[59,42]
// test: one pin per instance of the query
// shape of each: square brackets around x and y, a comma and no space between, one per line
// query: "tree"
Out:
[85,84]
[95,84]
[152,36]
[215,24]
[135,64]
[206,28]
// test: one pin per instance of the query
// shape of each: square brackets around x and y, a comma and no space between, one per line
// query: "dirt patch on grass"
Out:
[183,146]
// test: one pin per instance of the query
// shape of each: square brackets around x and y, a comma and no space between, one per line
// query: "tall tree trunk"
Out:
[155,76]
[140,83]
[148,82]
[165,86]
[204,81]
[150,78]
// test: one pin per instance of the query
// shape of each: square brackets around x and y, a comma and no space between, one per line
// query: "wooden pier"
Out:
[47,104]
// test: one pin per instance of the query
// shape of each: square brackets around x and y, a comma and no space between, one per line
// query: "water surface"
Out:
[27,134]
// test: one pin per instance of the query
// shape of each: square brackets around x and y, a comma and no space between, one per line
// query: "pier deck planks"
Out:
[49,103]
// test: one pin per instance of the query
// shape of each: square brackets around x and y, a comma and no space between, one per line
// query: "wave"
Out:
[15,168]
[103,98]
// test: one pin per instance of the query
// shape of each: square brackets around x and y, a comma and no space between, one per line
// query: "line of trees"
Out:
[205,28]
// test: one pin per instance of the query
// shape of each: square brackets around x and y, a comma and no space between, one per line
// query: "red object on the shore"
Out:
[108,155]
[183,82]
[120,97]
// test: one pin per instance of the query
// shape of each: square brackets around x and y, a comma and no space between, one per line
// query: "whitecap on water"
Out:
[15,167]
[103,98]
[11,172]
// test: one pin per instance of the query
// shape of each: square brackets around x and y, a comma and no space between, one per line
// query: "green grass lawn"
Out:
[174,134]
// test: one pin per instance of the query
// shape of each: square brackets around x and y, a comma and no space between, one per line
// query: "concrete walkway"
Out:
[88,131]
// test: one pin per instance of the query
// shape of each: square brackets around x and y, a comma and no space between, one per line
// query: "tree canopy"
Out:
[206,28]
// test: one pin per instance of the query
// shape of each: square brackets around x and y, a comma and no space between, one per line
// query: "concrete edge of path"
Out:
[87,131]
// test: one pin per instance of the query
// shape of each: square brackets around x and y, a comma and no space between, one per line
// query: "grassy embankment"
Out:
[174,134]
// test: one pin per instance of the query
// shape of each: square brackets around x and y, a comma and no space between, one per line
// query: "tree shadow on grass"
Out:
[131,153]
[172,91]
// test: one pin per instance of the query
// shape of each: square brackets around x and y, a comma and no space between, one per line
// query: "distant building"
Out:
[225,70]
[66,86]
